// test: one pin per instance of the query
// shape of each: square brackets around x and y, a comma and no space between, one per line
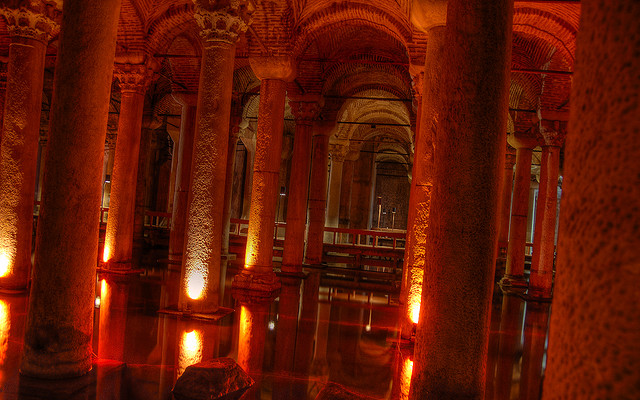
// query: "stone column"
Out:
[421,183]
[118,241]
[505,207]
[338,153]
[318,192]
[593,342]
[514,274]
[234,130]
[361,191]
[3,89]
[345,191]
[219,29]
[188,101]
[305,111]
[57,342]
[29,28]
[257,275]
[541,277]
[453,331]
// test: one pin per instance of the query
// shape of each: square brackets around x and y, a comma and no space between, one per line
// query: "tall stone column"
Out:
[345,191]
[318,192]
[514,274]
[257,275]
[188,101]
[29,28]
[593,340]
[338,153]
[541,277]
[57,342]
[3,90]
[421,183]
[219,29]
[250,146]
[361,191]
[505,208]
[453,331]
[305,111]
[118,241]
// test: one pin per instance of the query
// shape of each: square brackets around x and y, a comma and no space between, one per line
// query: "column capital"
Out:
[222,21]
[282,68]
[305,109]
[36,20]
[553,132]
[339,150]
[417,81]
[522,140]
[133,77]
[110,142]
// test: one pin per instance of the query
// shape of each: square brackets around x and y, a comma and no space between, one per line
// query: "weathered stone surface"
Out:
[219,379]
[333,391]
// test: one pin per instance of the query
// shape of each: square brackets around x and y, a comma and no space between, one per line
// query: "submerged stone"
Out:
[220,378]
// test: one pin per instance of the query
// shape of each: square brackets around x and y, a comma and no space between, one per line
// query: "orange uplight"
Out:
[5,327]
[190,350]
[414,312]
[414,298]
[405,379]
[106,255]
[5,265]
[195,284]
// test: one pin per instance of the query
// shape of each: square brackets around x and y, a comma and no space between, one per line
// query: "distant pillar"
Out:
[57,342]
[361,190]
[514,275]
[257,276]
[250,146]
[453,331]
[118,243]
[188,101]
[593,341]
[338,153]
[318,192]
[345,191]
[29,33]
[234,130]
[541,277]
[203,242]
[305,110]
[505,209]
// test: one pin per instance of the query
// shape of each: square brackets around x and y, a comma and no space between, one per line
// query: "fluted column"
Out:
[453,331]
[219,30]
[188,101]
[30,28]
[118,242]
[514,274]
[541,277]
[421,183]
[57,341]
[257,275]
[305,111]
[318,191]
[338,153]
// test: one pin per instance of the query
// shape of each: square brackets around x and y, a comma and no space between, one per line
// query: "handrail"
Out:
[355,237]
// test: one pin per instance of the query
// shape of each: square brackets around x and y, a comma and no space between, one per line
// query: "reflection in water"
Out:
[405,379]
[5,326]
[190,351]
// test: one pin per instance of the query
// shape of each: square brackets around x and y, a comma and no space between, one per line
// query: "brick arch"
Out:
[164,28]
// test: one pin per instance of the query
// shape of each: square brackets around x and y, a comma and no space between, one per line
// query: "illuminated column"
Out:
[541,277]
[318,191]
[593,347]
[61,303]
[453,331]
[305,111]
[201,260]
[257,274]
[345,191]
[421,182]
[3,90]
[505,206]
[29,32]
[338,153]
[118,242]
[514,274]
[234,130]
[188,101]
[254,314]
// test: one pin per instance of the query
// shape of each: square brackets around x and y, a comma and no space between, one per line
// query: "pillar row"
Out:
[118,243]
[338,154]
[305,111]
[200,280]
[29,32]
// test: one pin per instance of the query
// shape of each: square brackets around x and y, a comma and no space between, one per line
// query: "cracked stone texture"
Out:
[217,379]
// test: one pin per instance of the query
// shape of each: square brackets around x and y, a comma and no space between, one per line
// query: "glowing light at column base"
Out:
[414,297]
[106,255]
[5,327]
[190,350]
[196,283]
[5,265]
[405,379]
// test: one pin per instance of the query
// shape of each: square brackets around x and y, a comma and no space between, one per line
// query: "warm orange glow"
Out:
[5,327]
[414,298]
[5,265]
[190,350]
[195,284]
[414,312]
[106,255]
[405,379]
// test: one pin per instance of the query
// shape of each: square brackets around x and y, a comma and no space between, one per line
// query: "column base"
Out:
[120,268]
[15,290]
[216,315]
[250,288]
[538,296]
[513,281]
[56,365]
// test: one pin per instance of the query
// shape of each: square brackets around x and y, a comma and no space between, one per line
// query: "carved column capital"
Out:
[221,21]
[282,68]
[36,20]
[305,110]
[110,140]
[133,77]
[553,132]
[338,151]
[522,140]
[510,157]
